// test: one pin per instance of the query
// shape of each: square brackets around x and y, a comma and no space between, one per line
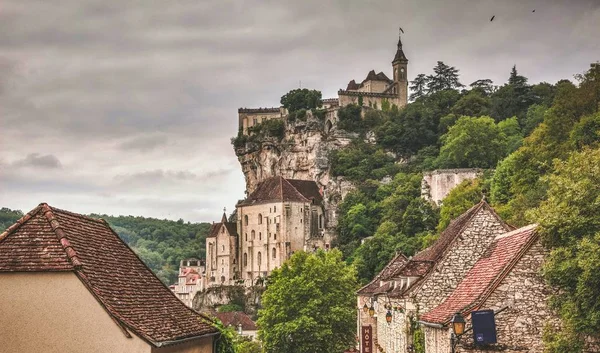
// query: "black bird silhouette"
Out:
[533,10]
[401,30]
[491,19]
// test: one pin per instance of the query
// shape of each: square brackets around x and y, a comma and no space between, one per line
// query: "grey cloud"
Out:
[143,143]
[37,160]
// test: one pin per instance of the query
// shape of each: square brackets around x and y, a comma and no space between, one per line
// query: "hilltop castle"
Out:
[376,90]
[283,214]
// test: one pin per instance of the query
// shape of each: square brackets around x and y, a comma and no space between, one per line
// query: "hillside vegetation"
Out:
[540,145]
[160,243]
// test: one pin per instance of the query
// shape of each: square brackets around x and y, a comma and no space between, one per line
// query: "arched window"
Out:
[253,233]
[259,258]
[223,247]
[274,252]
[245,259]
[246,220]
[222,279]
[259,218]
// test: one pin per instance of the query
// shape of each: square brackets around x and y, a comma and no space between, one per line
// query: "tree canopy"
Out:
[301,98]
[309,305]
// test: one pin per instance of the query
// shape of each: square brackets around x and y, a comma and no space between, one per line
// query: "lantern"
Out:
[458,324]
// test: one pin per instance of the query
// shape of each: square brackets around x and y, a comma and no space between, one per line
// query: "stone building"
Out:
[430,276]
[506,277]
[437,184]
[240,322]
[222,254]
[375,91]
[279,217]
[69,284]
[190,280]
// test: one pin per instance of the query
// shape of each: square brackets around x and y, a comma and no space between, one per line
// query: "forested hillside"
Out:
[540,145]
[160,243]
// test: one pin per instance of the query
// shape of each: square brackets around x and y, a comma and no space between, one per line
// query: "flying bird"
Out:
[401,30]
[491,19]
[533,10]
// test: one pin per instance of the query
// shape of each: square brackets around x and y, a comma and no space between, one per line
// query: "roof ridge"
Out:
[293,187]
[62,237]
[99,220]
[27,216]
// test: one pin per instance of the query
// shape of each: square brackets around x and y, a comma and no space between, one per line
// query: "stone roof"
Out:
[399,53]
[352,86]
[215,227]
[279,189]
[372,76]
[394,265]
[48,239]
[487,273]
[236,318]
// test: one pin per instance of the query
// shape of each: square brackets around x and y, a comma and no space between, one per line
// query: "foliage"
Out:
[472,143]
[309,305]
[267,128]
[301,98]
[484,86]
[231,307]
[418,87]
[511,129]
[586,132]
[349,118]
[247,346]
[459,200]
[570,227]
[473,103]
[361,161]
[225,342]
[444,77]
[8,217]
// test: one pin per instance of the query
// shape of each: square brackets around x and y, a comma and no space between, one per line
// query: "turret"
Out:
[400,66]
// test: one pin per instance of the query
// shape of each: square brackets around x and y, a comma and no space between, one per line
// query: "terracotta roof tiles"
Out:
[485,275]
[236,318]
[279,189]
[50,239]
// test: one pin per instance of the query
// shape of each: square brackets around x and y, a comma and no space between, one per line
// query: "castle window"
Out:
[254,121]
[259,236]
[223,247]
[223,230]
[275,236]
[246,236]
[321,221]
[274,208]
[245,259]
[253,233]
[259,218]
[246,220]
[259,258]
[274,253]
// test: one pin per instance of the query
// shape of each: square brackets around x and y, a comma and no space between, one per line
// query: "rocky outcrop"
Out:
[302,153]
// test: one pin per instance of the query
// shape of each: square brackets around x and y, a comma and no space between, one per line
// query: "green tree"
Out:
[309,305]
[484,86]
[473,103]
[570,227]
[444,77]
[472,143]
[512,131]
[586,132]
[301,98]
[418,86]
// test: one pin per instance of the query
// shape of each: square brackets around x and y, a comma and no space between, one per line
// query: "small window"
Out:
[259,236]
[245,259]
[274,236]
[274,208]
[274,252]
[246,235]
[259,258]
[223,247]
[253,233]
[259,218]
[246,220]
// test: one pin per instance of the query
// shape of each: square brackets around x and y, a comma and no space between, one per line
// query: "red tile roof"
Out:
[279,189]
[235,318]
[485,276]
[48,239]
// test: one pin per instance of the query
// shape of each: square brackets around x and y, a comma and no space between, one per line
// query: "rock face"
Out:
[302,153]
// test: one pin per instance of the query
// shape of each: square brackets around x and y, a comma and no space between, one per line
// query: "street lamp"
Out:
[458,329]
[365,308]
[372,310]
[388,317]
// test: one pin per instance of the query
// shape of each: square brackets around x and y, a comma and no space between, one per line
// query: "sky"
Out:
[127,107]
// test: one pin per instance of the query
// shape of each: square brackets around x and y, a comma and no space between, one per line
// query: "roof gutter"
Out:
[183,340]
[430,324]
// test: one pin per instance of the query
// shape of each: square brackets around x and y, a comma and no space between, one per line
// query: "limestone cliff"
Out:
[302,153]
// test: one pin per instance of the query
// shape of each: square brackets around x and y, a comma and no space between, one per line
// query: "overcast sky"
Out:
[127,107]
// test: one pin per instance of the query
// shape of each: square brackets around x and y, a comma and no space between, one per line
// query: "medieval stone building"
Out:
[375,91]
[190,280]
[279,217]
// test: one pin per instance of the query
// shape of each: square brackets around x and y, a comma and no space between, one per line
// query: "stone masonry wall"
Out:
[437,184]
[459,259]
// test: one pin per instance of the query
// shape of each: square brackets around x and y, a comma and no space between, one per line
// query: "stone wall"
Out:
[467,248]
[436,340]
[437,184]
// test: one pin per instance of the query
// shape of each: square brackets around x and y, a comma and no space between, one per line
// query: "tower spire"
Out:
[400,57]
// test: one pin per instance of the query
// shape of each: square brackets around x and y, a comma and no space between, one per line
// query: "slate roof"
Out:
[487,273]
[372,76]
[215,227]
[352,86]
[393,266]
[235,318]
[399,53]
[48,239]
[279,189]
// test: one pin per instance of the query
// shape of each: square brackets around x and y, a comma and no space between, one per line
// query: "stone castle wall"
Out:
[436,185]
[459,259]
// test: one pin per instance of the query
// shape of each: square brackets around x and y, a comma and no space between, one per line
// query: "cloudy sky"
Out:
[127,107]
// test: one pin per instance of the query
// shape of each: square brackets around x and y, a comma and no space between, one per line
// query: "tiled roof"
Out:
[49,239]
[486,274]
[279,189]
[352,85]
[372,76]
[396,263]
[235,318]
[215,227]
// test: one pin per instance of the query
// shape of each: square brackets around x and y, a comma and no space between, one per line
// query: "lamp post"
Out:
[365,308]
[458,329]
[388,317]
[372,310]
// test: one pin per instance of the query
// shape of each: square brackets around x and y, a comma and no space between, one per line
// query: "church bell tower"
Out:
[400,66]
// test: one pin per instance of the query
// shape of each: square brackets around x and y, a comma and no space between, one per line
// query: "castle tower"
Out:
[400,66]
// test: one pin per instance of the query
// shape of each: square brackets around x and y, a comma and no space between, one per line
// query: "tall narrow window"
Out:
[274,252]
[259,236]
[259,218]
[245,259]
[253,233]
[274,208]
[246,220]
[259,258]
